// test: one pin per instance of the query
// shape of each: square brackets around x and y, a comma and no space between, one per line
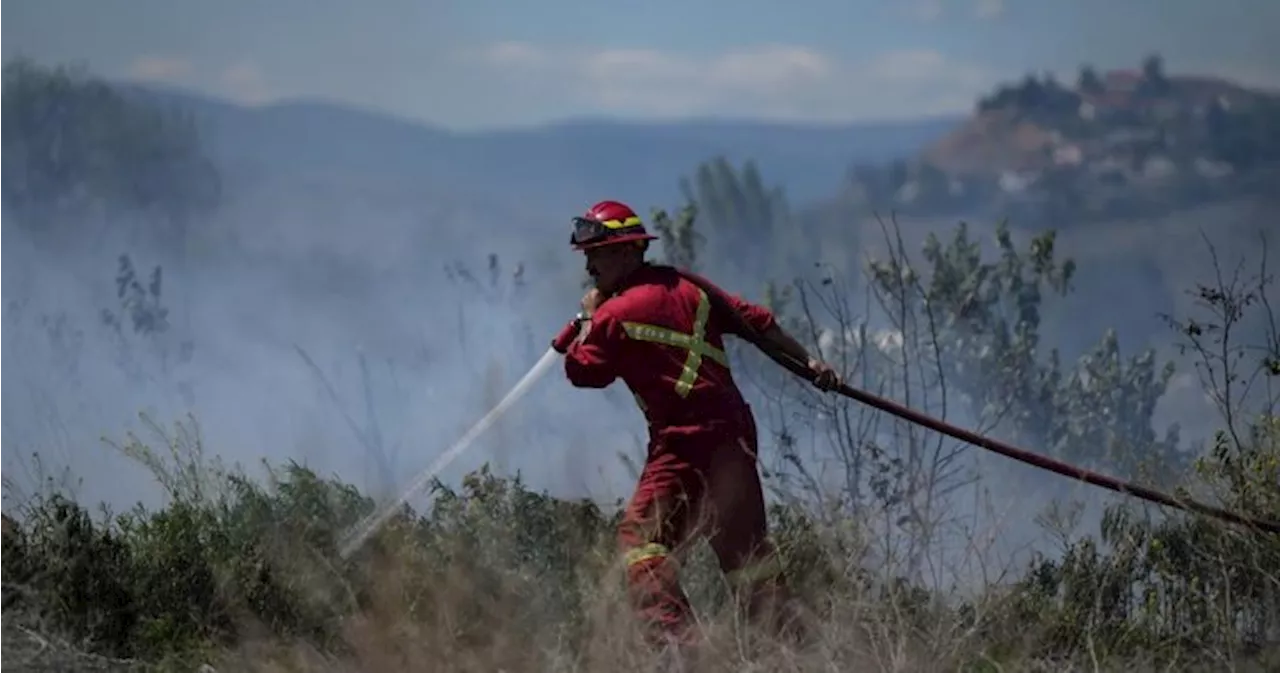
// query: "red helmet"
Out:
[607,223]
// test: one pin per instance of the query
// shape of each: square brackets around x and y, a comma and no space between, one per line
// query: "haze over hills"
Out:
[1112,146]
[1118,149]
[331,228]
[564,163]
[334,219]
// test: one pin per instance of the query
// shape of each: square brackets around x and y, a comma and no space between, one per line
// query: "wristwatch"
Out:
[582,323]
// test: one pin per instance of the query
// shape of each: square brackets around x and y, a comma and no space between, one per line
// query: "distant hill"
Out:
[560,163]
[1039,124]
[1120,144]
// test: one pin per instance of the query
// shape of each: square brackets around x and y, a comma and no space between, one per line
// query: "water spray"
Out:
[720,303]
[366,528]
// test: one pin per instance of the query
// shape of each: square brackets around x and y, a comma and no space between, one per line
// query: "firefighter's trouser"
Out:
[700,482]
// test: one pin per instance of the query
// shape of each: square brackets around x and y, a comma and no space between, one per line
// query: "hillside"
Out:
[562,163]
[1040,124]
[1121,144]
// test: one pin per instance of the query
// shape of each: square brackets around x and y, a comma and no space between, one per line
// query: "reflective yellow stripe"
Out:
[633,221]
[695,343]
[763,569]
[646,552]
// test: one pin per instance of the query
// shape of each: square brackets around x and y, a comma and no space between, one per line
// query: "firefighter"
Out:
[653,328]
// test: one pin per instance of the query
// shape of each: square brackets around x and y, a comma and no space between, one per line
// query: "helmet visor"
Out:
[587,231]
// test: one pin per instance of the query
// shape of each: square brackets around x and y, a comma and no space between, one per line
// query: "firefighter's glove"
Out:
[824,377]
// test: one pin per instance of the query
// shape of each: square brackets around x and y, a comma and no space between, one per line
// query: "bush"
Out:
[231,559]
[495,568]
[494,576]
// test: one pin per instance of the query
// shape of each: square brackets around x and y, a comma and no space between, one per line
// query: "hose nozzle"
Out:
[565,338]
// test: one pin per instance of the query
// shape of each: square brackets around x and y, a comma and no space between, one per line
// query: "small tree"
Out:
[681,241]
[143,319]
[1187,583]
[1088,82]
[742,217]
[1154,82]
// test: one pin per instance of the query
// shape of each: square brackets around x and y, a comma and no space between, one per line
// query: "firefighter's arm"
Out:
[762,320]
[823,375]
[591,359]
[787,343]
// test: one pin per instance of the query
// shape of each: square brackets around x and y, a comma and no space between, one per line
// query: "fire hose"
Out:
[801,369]
[361,532]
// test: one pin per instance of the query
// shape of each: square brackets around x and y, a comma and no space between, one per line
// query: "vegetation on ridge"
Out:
[1116,144]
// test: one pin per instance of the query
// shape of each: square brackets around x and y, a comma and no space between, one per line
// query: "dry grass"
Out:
[244,575]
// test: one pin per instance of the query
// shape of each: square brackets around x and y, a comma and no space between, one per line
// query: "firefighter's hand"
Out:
[592,300]
[566,337]
[825,377]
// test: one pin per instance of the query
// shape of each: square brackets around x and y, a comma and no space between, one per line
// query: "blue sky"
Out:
[485,63]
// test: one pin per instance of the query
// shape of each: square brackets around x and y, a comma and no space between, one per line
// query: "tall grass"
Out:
[243,574]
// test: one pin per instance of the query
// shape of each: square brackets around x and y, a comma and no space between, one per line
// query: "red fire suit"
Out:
[659,335]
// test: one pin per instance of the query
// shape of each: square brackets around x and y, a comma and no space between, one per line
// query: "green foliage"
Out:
[986,318]
[681,242]
[142,306]
[1248,136]
[1186,582]
[1157,587]
[73,573]
[1033,98]
[1154,82]
[75,145]
[1089,82]
[746,221]
[141,327]
[229,556]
